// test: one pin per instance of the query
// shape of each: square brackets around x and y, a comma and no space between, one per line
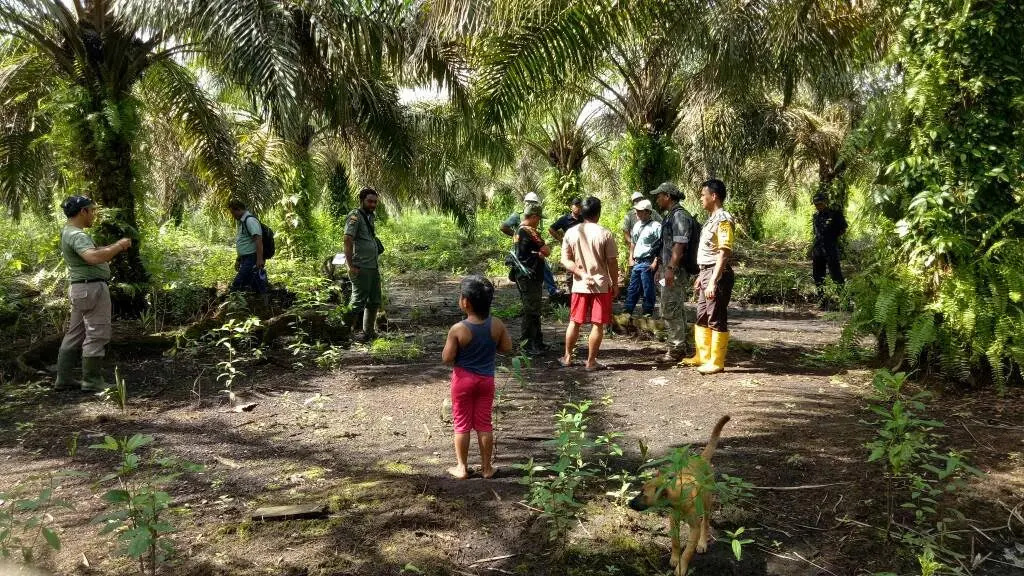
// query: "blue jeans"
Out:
[549,280]
[249,278]
[641,281]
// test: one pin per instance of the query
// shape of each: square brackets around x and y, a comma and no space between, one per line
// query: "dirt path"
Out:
[372,441]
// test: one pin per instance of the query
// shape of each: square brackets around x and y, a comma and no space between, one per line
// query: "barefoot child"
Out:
[470,347]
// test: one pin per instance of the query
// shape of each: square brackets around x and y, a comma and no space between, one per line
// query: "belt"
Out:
[646,259]
[88,281]
[705,266]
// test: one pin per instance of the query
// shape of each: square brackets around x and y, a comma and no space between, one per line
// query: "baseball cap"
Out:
[636,196]
[668,188]
[533,209]
[644,204]
[820,197]
[74,204]
[532,197]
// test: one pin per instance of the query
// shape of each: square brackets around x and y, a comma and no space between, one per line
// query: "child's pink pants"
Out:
[472,399]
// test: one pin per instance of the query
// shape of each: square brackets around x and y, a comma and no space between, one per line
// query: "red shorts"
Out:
[597,306]
[472,399]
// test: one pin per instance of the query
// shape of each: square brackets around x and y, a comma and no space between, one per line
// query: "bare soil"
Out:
[371,439]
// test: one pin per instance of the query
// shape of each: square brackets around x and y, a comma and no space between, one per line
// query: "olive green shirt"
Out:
[364,247]
[73,243]
[248,228]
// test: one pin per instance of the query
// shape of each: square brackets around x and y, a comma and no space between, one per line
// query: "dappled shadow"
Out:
[377,450]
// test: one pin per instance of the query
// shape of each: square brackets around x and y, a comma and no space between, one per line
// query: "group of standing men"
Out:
[658,246]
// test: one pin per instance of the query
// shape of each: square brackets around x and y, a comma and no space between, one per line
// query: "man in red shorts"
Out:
[589,252]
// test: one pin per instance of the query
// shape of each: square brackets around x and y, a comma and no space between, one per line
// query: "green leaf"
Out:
[139,542]
[51,538]
[737,549]
[137,441]
[109,443]
[116,496]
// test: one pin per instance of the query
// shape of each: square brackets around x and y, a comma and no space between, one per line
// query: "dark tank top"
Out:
[478,355]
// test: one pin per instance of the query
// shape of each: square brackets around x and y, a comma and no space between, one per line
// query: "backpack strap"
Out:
[373,229]
[257,221]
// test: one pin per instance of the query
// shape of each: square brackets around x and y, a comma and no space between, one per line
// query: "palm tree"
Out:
[700,51]
[647,97]
[565,136]
[94,68]
[91,68]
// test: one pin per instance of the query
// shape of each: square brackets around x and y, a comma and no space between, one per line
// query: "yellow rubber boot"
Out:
[719,346]
[702,343]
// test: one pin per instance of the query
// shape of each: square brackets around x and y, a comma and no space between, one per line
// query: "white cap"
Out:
[532,197]
[636,196]
[644,205]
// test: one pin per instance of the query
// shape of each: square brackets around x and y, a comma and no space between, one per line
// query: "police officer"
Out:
[675,234]
[88,273]
[829,225]
[714,282]
[362,251]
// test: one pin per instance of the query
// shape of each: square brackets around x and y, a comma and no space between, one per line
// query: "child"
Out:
[470,347]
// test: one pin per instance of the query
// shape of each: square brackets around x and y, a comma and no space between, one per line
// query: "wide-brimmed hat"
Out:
[644,204]
[668,188]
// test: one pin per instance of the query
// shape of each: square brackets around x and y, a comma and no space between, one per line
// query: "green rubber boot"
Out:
[369,324]
[92,374]
[67,361]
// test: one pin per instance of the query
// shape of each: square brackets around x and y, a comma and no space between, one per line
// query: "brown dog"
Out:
[682,498]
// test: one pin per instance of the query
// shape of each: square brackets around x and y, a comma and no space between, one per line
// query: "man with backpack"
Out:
[253,243]
[676,231]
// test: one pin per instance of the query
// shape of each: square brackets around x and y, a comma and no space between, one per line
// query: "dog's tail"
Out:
[709,450]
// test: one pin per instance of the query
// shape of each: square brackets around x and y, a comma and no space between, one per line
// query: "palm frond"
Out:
[171,90]
[551,45]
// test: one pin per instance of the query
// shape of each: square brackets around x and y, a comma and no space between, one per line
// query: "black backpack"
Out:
[693,247]
[268,238]
[692,241]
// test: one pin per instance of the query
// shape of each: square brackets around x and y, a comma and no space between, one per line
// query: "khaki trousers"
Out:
[673,312]
[90,319]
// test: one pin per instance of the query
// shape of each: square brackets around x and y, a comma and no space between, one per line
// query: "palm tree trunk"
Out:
[107,159]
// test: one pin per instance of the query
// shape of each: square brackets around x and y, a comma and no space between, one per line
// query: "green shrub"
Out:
[137,504]
[428,241]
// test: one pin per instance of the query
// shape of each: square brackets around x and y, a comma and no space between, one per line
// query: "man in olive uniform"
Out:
[511,225]
[362,251]
[88,274]
[829,225]
[714,282]
[675,235]
[532,253]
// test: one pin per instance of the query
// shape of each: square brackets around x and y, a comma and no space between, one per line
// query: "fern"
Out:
[921,334]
